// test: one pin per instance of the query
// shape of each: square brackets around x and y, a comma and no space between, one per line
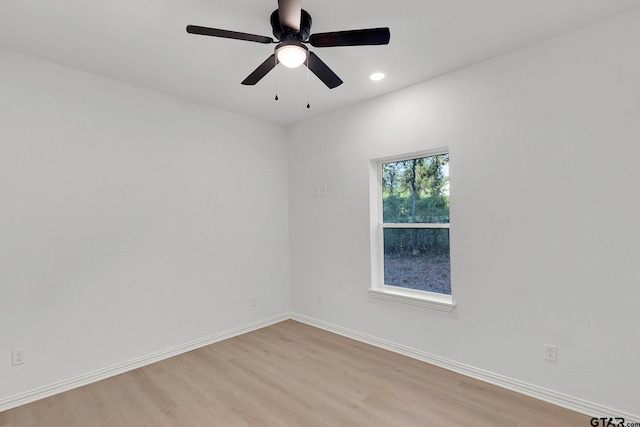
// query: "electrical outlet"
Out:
[320,299]
[550,352]
[253,301]
[19,357]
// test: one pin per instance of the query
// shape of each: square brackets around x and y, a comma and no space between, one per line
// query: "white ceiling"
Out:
[144,43]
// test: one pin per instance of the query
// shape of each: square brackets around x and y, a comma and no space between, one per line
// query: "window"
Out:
[410,230]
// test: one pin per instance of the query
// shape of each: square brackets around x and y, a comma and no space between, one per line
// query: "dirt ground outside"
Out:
[419,272]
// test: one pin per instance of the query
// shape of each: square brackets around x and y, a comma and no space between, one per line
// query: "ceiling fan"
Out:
[292,29]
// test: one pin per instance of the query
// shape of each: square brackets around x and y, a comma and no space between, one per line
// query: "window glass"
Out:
[415,222]
[417,258]
[416,190]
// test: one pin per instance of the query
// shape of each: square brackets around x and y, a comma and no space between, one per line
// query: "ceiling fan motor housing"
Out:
[285,34]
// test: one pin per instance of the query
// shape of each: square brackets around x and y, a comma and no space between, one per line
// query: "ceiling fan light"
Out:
[292,55]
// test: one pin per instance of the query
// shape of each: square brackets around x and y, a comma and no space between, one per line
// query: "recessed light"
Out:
[376,76]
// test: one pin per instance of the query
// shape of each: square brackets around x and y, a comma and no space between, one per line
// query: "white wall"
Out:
[545,144]
[130,222]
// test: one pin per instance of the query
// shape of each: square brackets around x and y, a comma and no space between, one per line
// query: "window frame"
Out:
[379,289]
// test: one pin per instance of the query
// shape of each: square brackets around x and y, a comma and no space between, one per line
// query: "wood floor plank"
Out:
[290,374]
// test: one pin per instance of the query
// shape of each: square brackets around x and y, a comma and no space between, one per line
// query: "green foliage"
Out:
[416,191]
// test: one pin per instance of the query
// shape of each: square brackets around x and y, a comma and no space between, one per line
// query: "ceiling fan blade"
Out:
[323,72]
[261,71]
[215,32]
[290,12]
[370,36]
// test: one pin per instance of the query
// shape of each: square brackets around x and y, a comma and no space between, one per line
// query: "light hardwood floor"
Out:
[290,374]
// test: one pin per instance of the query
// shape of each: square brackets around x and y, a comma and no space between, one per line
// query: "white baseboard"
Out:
[120,368]
[559,399]
[555,398]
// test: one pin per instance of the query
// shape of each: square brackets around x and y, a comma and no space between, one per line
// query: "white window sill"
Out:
[421,299]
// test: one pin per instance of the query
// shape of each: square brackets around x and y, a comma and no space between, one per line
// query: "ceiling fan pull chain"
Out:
[308,90]
[276,67]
